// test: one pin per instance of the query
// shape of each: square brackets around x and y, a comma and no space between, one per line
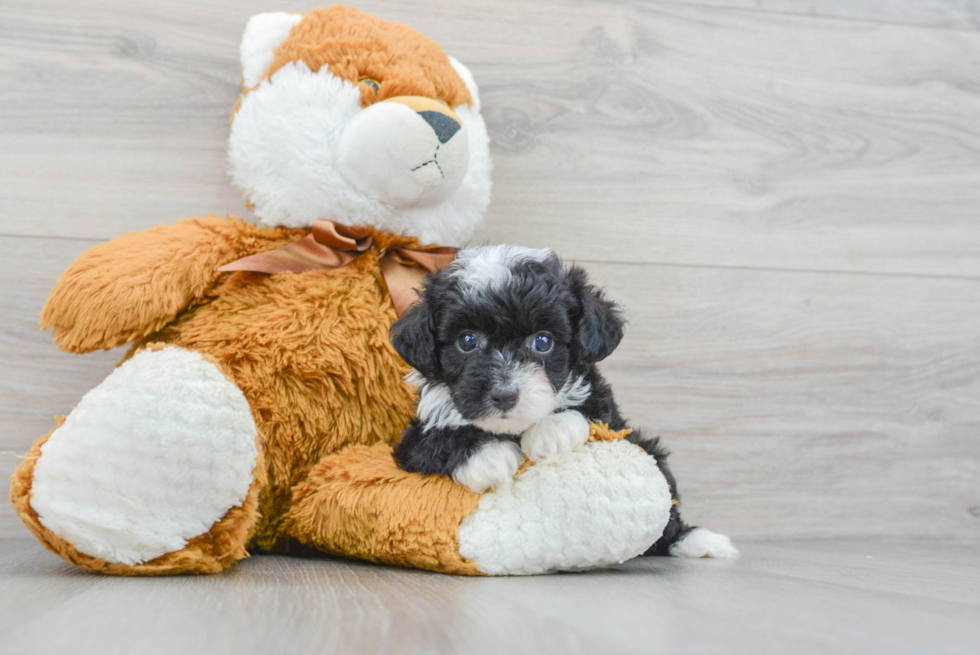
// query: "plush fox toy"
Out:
[256,406]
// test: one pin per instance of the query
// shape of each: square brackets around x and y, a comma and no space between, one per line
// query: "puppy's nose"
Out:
[504,396]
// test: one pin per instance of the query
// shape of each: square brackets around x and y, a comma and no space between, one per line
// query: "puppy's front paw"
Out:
[491,467]
[555,435]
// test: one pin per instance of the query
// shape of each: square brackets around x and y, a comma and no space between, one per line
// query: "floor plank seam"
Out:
[769,269]
[776,269]
[94,240]
[843,19]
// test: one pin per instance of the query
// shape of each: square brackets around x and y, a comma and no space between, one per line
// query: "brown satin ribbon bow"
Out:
[332,245]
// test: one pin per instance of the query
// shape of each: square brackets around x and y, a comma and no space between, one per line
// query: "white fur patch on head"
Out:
[536,400]
[490,267]
[263,34]
[491,467]
[700,542]
[150,458]
[555,436]
[601,505]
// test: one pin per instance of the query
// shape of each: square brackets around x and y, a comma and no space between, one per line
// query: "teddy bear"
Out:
[255,409]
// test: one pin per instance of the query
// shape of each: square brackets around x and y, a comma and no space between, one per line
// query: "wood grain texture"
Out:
[807,404]
[38,381]
[950,14]
[801,597]
[702,135]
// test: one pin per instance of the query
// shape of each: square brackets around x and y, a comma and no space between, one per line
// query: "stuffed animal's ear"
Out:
[468,80]
[263,34]
[414,338]
[600,324]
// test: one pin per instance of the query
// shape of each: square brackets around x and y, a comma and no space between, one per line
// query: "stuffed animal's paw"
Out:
[491,467]
[555,436]
[150,459]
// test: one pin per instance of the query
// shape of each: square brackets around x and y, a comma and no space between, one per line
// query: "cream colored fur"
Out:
[601,505]
[149,459]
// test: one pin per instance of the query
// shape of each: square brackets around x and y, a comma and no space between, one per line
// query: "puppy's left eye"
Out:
[374,84]
[542,343]
[467,342]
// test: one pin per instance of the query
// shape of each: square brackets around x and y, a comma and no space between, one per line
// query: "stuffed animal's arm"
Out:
[132,286]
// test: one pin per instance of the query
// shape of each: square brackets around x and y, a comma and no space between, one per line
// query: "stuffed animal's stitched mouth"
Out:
[432,162]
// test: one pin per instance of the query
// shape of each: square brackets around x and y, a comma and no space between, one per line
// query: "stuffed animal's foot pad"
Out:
[492,467]
[151,458]
[700,542]
[597,506]
[555,436]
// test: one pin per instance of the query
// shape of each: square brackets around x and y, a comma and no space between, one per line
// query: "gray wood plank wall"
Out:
[951,14]
[784,194]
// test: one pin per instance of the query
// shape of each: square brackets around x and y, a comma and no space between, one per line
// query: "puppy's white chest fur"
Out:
[555,436]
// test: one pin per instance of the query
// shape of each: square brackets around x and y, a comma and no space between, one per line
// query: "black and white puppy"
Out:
[504,343]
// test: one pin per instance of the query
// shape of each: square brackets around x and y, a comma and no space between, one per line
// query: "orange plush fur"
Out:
[310,351]
[356,45]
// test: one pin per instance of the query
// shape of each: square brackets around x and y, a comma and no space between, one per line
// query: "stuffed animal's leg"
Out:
[599,505]
[678,538]
[157,471]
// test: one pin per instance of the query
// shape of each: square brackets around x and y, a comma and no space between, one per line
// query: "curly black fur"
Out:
[539,294]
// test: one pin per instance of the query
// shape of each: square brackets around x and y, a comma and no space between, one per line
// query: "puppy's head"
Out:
[504,337]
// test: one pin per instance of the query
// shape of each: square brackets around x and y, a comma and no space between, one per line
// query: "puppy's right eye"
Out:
[467,342]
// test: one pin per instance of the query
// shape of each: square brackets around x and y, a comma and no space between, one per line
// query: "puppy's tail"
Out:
[678,538]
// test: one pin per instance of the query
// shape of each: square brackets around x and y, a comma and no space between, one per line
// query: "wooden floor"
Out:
[861,597]
[785,195]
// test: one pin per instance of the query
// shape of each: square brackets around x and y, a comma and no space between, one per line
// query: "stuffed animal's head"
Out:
[351,118]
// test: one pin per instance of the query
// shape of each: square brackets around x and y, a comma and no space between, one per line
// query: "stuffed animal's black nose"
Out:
[504,396]
[444,126]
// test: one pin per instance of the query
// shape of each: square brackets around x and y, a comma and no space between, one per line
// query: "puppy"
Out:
[504,343]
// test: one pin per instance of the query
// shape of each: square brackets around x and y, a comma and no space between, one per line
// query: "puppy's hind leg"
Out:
[680,539]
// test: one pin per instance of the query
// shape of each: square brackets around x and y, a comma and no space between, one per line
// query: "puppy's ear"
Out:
[600,324]
[414,338]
